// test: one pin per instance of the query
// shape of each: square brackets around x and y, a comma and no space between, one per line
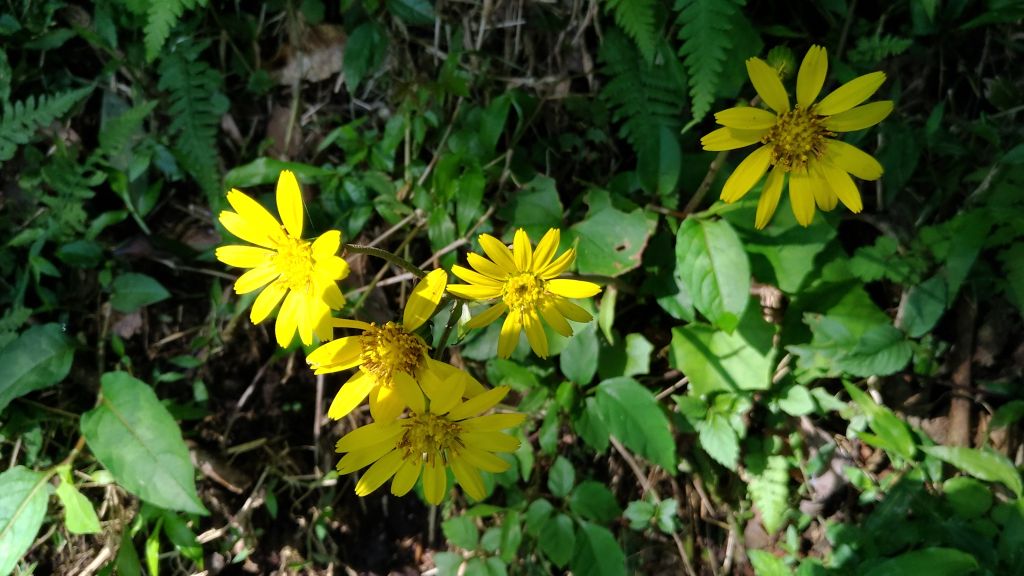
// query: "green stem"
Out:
[384,254]
[453,318]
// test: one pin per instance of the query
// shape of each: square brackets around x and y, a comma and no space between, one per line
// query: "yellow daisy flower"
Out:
[441,431]
[304,274]
[797,141]
[526,281]
[388,356]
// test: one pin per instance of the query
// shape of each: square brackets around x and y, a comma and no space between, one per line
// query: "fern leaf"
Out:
[196,105]
[636,17]
[704,30]
[770,493]
[161,17]
[20,121]
[871,50]
[118,132]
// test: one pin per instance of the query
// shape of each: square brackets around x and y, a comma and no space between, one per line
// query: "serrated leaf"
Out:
[364,53]
[719,440]
[39,358]
[537,514]
[712,263]
[161,16]
[132,291]
[636,17]
[597,552]
[716,360]
[609,241]
[557,539]
[561,477]
[578,360]
[23,497]
[988,466]
[881,351]
[893,432]
[590,425]
[930,561]
[134,436]
[595,502]
[704,28]
[767,564]
[633,415]
[925,305]
[770,493]
[461,531]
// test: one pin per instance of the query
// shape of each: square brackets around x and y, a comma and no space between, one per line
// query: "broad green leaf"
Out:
[469,193]
[461,531]
[627,357]
[537,513]
[447,563]
[609,241]
[925,305]
[557,539]
[606,313]
[968,497]
[881,351]
[797,401]
[767,564]
[1013,264]
[39,358]
[23,497]
[969,232]
[578,360]
[590,425]
[134,436]
[265,170]
[987,466]
[414,12]
[536,208]
[659,163]
[716,360]
[712,263]
[930,561]
[640,514]
[364,53]
[597,552]
[561,477]
[633,415]
[79,514]
[593,501]
[892,432]
[719,440]
[511,536]
[132,291]
[1007,414]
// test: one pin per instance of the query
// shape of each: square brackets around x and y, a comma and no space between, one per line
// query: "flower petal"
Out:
[487,316]
[369,435]
[445,371]
[267,301]
[289,203]
[860,117]
[770,194]
[801,197]
[558,265]
[341,354]
[498,253]
[359,458]
[768,85]
[824,197]
[406,477]
[811,76]
[850,94]
[352,394]
[330,294]
[572,288]
[731,138]
[246,230]
[554,319]
[509,337]
[331,268]
[749,171]
[483,460]
[435,480]
[424,299]
[486,267]
[478,403]
[474,277]
[535,334]
[842,186]
[490,441]
[386,403]
[572,311]
[546,249]
[244,256]
[306,318]
[468,477]
[474,291]
[853,160]
[746,118]
[522,251]
[409,391]
[326,245]
[256,278]
[379,473]
[444,393]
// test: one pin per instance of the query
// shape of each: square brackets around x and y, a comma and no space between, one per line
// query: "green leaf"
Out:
[39,358]
[930,561]
[263,171]
[640,514]
[537,514]
[987,466]
[705,28]
[79,514]
[893,433]
[557,539]
[578,360]
[364,53]
[561,477]
[461,531]
[597,552]
[468,196]
[712,263]
[610,242]
[881,351]
[590,425]
[1013,264]
[636,17]
[23,497]
[161,16]
[536,207]
[1007,414]
[658,165]
[770,493]
[20,120]
[767,564]
[593,501]
[716,360]
[719,440]
[447,563]
[797,401]
[511,536]
[925,304]
[414,12]
[132,291]
[627,357]
[968,497]
[133,435]
[633,415]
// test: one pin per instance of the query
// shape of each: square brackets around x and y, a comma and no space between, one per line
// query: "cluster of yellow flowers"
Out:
[427,413]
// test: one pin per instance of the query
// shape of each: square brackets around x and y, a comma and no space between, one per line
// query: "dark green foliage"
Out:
[636,17]
[706,32]
[22,119]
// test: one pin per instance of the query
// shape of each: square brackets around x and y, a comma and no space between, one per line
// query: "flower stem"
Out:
[384,254]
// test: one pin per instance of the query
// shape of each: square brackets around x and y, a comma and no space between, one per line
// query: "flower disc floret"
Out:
[389,349]
[797,137]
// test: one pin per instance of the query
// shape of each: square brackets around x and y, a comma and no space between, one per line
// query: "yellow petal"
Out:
[359,458]
[435,481]
[550,314]
[731,138]
[843,186]
[535,334]
[801,197]
[246,230]
[860,117]
[445,371]
[287,319]
[409,391]
[256,278]
[486,267]
[323,329]
[824,197]
[487,316]
[850,94]
[770,194]
[473,277]
[498,253]
[289,203]
[572,311]
[386,404]
[341,354]
[369,435]
[546,249]
[355,324]
[852,159]
[558,265]
[326,245]
[267,301]
[306,318]
[352,394]
[490,441]
[483,460]
[474,291]
[330,294]
[469,478]
[746,118]
[769,87]
[331,268]
[406,477]
[478,403]
[444,393]
[811,76]
[572,288]
[381,471]
[424,299]
[509,337]
[749,171]
[493,422]
[254,214]
[244,256]
[522,251]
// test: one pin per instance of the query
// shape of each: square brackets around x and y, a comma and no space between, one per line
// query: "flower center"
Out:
[294,260]
[388,349]
[428,436]
[523,292]
[797,136]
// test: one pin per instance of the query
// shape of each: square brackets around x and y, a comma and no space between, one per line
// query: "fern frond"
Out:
[161,16]
[873,49]
[770,493]
[20,121]
[704,30]
[118,132]
[636,18]
[69,185]
[196,105]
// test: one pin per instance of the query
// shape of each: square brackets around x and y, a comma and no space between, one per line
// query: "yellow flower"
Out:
[303,273]
[526,281]
[441,431]
[798,140]
[388,356]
